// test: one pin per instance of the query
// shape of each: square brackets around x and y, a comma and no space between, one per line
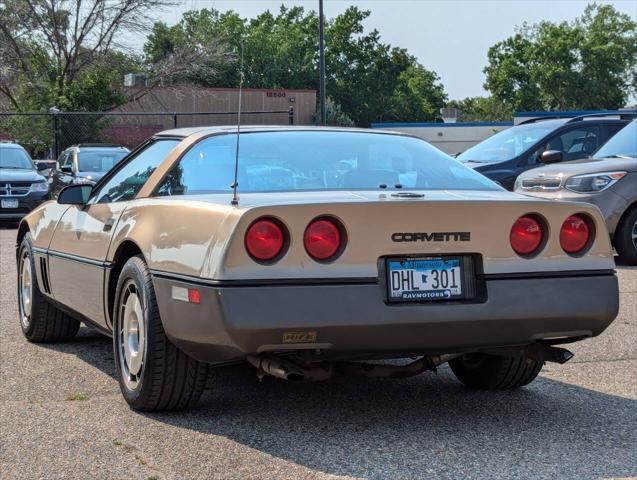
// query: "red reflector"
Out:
[526,235]
[264,240]
[193,295]
[574,234]
[322,239]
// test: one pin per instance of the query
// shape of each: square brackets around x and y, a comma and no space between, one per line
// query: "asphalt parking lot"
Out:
[62,416]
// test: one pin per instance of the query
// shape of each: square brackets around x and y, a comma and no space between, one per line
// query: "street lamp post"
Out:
[322,63]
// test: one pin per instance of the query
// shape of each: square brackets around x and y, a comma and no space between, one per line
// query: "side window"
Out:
[207,167]
[577,143]
[611,130]
[63,159]
[132,176]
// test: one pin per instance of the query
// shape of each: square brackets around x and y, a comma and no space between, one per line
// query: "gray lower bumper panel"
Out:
[231,322]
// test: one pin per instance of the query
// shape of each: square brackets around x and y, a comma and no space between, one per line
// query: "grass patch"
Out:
[75,397]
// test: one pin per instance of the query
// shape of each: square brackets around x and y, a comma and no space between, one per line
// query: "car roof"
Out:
[11,145]
[557,122]
[97,147]
[222,129]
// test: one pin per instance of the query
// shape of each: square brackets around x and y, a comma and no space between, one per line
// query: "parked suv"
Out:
[22,187]
[609,181]
[537,142]
[85,163]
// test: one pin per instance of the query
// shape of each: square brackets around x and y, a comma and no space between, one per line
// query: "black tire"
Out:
[490,372]
[624,243]
[166,378]
[40,320]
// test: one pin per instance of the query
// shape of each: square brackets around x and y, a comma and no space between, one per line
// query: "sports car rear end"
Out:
[411,274]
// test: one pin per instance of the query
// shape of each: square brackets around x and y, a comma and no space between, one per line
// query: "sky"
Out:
[450,37]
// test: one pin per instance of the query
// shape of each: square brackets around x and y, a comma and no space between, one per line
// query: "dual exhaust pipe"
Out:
[285,369]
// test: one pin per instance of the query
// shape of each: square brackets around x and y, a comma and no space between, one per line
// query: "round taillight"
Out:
[322,239]
[574,234]
[264,240]
[526,235]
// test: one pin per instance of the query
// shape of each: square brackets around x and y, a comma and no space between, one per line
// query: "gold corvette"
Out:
[306,251]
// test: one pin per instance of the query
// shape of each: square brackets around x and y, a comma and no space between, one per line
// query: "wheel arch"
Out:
[125,251]
[624,216]
[23,229]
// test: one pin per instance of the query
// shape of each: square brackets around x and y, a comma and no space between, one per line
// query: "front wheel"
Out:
[626,237]
[491,372]
[153,374]
[41,321]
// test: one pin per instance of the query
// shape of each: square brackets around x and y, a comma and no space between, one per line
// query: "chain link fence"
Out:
[45,135]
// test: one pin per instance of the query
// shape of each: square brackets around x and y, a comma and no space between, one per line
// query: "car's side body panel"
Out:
[77,257]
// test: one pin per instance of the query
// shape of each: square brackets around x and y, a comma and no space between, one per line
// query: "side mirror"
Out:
[75,195]
[552,156]
[66,169]
[41,166]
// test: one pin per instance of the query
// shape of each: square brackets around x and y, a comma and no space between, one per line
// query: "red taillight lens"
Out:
[264,240]
[322,239]
[526,235]
[574,234]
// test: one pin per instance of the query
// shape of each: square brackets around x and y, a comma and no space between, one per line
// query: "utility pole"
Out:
[322,63]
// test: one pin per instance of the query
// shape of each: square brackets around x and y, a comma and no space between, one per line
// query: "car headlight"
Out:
[593,182]
[80,180]
[40,187]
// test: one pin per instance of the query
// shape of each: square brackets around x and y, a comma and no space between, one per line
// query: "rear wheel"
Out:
[40,320]
[153,374]
[490,372]
[626,237]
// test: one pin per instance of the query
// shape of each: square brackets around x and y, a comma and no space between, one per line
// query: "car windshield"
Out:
[622,144]
[318,160]
[99,160]
[14,158]
[508,143]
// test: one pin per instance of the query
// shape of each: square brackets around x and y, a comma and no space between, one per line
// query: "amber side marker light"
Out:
[575,234]
[264,240]
[323,239]
[526,235]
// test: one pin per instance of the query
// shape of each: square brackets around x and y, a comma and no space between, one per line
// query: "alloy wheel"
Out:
[131,335]
[25,290]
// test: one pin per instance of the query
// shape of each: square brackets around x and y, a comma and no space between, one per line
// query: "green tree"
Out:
[482,109]
[67,53]
[590,63]
[367,80]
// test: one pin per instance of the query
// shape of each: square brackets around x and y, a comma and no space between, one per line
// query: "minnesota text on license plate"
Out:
[423,279]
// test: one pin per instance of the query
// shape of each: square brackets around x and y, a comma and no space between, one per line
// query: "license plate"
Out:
[425,279]
[9,203]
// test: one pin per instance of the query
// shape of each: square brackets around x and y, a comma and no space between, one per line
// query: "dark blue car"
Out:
[538,142]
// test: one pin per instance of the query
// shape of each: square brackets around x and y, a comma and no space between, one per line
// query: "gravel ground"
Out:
[62,416]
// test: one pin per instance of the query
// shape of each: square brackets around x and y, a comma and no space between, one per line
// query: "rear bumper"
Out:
[232,321]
